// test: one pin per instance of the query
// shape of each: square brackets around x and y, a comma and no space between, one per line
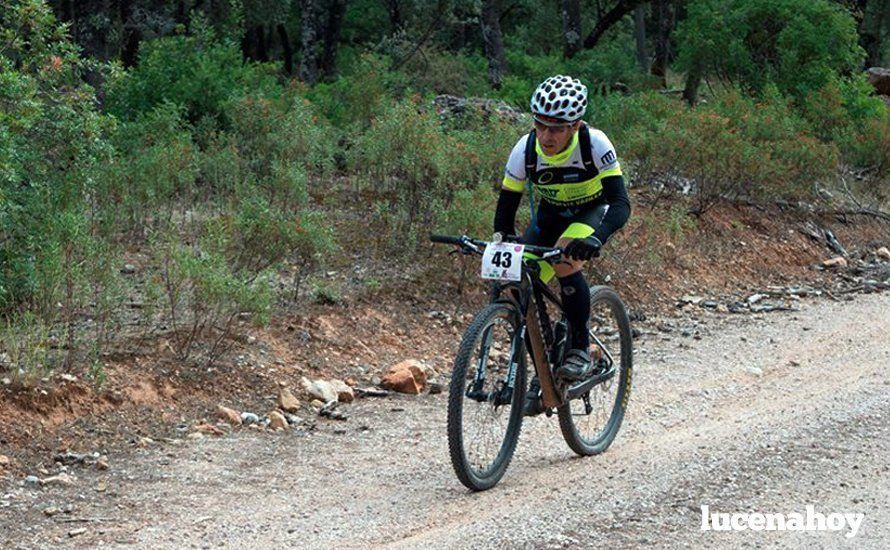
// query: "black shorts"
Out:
[555,222]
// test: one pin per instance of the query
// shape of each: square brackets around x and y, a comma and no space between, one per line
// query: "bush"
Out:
[155,170]
[796,44]
[196,72]
[415,167]
[732,147]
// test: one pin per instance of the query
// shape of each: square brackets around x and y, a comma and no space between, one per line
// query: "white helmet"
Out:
[560,97]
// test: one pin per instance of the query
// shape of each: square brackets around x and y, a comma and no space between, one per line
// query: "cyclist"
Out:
[575,170]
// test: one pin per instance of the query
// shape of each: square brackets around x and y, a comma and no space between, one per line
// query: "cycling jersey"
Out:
[572,177]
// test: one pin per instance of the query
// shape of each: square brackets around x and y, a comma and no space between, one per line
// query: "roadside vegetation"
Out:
[192,189]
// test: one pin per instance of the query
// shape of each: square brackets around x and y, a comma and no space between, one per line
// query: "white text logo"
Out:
[810,520]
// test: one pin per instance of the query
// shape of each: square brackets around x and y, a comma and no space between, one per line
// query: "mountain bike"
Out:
[525,319]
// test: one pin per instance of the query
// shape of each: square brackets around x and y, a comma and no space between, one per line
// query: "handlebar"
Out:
[477,246]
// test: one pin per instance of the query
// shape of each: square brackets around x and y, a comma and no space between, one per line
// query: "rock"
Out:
[293,420]
[208,429]
[838,261]
[406,377]
[51,511]
[78,531]
[128,269]
[371,392]
[5,462]
[277,421]
[102,463]
[345,394]
[68,377]
[66,480]
[448,106]
[883,252]
[754,298]
[756,371]
[721,308]
[330,411]
[231,416]
[32,480]
[879,77]
[317,403]
[320,389]
[249,418]
[286,400]
[690,299]
[6,382]
[435,387]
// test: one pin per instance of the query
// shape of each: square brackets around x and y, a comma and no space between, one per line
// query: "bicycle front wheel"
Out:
[484,405]
[590,422]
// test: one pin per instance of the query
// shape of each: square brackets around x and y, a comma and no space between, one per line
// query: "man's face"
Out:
[554,135]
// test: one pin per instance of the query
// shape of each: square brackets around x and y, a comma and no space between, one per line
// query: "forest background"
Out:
[188,168]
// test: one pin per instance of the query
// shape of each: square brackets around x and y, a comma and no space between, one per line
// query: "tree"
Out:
[308,58]
[494,42]
[664,15]
[799,45]
[640,37]
[332,28]
[571,27]
[610,18]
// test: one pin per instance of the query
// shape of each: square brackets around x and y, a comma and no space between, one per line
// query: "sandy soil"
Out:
[702,428]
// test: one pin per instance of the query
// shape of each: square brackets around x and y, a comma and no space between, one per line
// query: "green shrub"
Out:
[796,44]
[197,72]
[734,146]
[156,168]
[414,166]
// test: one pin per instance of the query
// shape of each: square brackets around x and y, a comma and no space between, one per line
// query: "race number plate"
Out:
[502,262]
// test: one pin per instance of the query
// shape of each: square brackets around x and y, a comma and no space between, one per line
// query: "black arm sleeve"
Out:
[505,214]
[619,207]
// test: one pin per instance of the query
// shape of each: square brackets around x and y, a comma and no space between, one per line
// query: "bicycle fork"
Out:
[499,395]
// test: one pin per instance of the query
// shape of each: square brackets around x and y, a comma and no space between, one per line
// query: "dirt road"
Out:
[763,414]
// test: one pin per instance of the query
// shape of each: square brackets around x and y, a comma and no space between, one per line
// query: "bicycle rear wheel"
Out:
[484,415]
[590,422]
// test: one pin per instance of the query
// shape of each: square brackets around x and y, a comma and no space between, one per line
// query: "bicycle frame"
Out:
[532,308]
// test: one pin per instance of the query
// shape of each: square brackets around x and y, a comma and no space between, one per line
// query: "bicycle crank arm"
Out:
[587,385]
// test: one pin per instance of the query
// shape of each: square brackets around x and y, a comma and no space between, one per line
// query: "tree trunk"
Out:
[614,15]
[640,37]
[332,37]
[571,27]
[494,42]
[395,15]
[870,16]
[308,59]
[664,14]
[262,47]
[287,48]
[131,37]
[693,81]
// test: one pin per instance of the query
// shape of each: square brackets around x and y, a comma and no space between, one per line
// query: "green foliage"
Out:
[197,72]
[414,166]
[796,44]
[733,147]
[156,167]
[356,97]
[202,295]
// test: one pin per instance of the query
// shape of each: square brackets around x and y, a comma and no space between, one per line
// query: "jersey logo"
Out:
[571,177]
[549,193]
[608,158]
[545,177]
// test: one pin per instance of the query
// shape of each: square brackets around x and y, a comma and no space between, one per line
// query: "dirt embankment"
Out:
[721,259]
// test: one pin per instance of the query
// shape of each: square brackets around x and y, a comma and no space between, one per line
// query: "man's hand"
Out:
[584,249]
[500,237]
